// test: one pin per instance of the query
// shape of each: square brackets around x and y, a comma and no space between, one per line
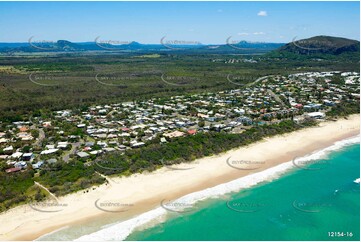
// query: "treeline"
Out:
[186,149]
[344,109]
[75,85]
[15,189]
[60,178]
[25,104]
[63,178]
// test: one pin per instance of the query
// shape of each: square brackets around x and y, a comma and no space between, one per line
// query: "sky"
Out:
[204,22]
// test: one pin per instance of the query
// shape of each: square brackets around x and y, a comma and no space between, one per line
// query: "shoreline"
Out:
[120,231]
[146,191]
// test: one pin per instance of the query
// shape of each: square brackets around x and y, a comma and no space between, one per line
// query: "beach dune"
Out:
[124,198]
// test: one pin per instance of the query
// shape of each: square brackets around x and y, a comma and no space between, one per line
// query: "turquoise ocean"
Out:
[319,201]
[304,204]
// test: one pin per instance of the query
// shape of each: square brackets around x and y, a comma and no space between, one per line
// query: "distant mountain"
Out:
[246,47]
[32,46]
[321,45]
[64,44]
[314,46]
[242,47]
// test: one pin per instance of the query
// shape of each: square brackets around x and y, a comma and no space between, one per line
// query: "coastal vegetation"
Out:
[344,110]
[60,179]
[32,88]
[64,178]
[16,189]
[186,149]
[48,83]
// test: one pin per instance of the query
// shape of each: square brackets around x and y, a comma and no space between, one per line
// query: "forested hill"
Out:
[322,45]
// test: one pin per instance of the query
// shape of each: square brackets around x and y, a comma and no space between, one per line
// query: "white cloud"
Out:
[259,33]
[262,13]
[243,34]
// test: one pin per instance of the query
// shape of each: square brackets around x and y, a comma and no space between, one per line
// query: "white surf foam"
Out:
[122,230]
[43,237]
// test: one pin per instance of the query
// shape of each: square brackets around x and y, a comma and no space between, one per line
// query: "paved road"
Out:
[41,137]
[270,92]
[74,147]
[259,79]
[276,97]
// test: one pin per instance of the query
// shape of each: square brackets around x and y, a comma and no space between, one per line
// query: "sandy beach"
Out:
[142,192]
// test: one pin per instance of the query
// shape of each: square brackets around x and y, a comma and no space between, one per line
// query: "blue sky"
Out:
[205,22]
